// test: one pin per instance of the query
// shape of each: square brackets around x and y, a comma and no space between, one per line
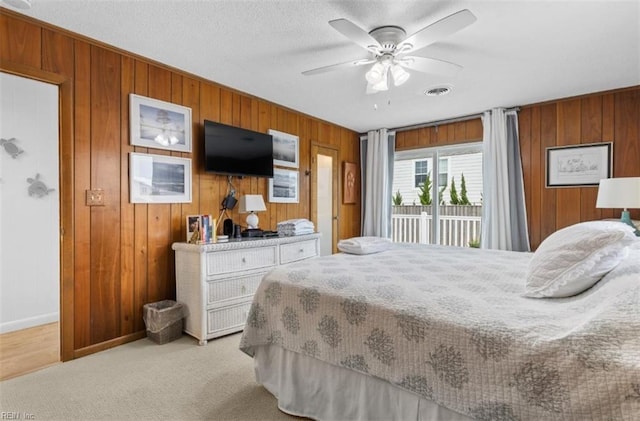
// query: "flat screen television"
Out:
[234,151]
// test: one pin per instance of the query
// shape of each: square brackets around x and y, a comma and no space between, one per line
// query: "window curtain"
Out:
[377,155]
[504,215]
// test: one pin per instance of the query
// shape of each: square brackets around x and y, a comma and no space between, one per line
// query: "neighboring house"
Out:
[408,174]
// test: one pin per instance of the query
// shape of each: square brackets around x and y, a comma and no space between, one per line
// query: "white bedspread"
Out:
[451,324]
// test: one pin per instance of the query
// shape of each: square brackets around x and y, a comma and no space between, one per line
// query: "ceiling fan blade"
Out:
[338,66]
[429,65]
[355,34]
[438,30]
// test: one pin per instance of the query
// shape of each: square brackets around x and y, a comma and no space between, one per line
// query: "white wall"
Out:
[325,203]
[468,164]
[29,225]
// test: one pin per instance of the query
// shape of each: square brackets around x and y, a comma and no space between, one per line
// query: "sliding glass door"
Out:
[437,195]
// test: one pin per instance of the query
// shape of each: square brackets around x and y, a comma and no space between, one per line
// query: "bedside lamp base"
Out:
[626,219]
[252,221]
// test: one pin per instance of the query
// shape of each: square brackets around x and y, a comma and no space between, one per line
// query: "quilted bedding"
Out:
[451,325]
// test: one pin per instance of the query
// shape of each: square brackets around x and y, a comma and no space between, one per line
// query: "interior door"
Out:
[324,196]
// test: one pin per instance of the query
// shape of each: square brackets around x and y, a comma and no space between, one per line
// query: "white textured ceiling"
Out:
[516,53]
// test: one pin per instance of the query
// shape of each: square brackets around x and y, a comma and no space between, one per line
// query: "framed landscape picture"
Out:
[286,149]
[159,124]
[579,165]
[159,178]
[283,187]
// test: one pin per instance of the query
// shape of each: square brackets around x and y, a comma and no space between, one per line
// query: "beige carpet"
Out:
[145,381]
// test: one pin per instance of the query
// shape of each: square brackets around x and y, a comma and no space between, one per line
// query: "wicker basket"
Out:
[164,321]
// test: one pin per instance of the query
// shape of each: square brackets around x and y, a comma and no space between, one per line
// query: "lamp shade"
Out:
[619,193]
[400,75]
[382,84]
[375,75]
[252,203]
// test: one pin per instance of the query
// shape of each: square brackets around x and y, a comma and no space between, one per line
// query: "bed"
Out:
[421,332]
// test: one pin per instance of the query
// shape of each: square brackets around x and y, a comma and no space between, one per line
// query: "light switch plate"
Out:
[95,197]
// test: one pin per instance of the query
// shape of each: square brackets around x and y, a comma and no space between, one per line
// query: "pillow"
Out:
[574,258]
[364,245]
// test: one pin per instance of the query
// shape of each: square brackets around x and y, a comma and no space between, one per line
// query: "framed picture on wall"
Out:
[349,182]
[579,165]
[283,187]
[159,124]
[286,149]
[159,178]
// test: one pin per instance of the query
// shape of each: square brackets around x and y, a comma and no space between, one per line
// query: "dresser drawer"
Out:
[242,259]
[298,251]
[228,319]
[233,288]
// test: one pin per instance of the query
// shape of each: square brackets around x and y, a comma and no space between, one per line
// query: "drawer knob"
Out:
[301,250]
[244,260]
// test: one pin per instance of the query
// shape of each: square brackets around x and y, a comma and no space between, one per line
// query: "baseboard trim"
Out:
[92,349]
[42,319]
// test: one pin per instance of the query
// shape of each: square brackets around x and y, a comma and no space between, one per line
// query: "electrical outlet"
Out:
[95,197]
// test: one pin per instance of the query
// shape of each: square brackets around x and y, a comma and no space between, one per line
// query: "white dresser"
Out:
[216,282]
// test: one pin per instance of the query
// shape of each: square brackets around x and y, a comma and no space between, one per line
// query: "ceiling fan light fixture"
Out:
[375,74]
[381,85]
[400,75]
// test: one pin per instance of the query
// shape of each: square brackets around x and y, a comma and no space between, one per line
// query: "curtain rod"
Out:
[447,121]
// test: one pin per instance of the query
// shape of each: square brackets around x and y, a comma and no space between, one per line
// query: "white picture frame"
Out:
[159,124]
[581,165]
[284,187]
[286,149]
[159,178]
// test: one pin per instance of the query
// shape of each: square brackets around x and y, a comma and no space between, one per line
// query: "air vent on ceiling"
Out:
[439,91]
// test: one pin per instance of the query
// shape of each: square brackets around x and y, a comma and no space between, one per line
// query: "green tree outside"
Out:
[441,195]
[453,193]
[464,200]
[425,191]
[397,199]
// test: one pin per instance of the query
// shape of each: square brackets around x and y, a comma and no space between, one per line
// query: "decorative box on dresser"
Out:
[216,282]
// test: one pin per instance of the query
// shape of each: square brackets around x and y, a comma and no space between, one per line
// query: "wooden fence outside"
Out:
[454,230]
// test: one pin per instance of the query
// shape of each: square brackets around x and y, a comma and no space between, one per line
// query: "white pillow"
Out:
[574,258]
[364,245]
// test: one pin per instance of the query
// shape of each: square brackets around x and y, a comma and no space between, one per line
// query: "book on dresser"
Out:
[216,282]
[201,229]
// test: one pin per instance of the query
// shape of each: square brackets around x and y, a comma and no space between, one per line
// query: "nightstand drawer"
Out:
[233,288]
[298,251]
[227,319]
[242,259]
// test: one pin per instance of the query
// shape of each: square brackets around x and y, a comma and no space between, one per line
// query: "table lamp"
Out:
[251,203]
[621,192]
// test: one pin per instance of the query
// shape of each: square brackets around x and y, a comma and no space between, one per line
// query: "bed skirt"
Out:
[307,387]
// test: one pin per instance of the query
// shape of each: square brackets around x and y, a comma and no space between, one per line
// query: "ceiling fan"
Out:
[389,47]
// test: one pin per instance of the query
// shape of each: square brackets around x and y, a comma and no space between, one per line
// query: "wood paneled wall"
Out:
[441,135]
[602,117]
[118,257]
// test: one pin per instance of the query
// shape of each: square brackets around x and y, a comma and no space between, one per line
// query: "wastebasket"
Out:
[163,320]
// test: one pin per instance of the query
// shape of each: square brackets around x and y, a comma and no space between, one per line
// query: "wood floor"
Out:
[28,350]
